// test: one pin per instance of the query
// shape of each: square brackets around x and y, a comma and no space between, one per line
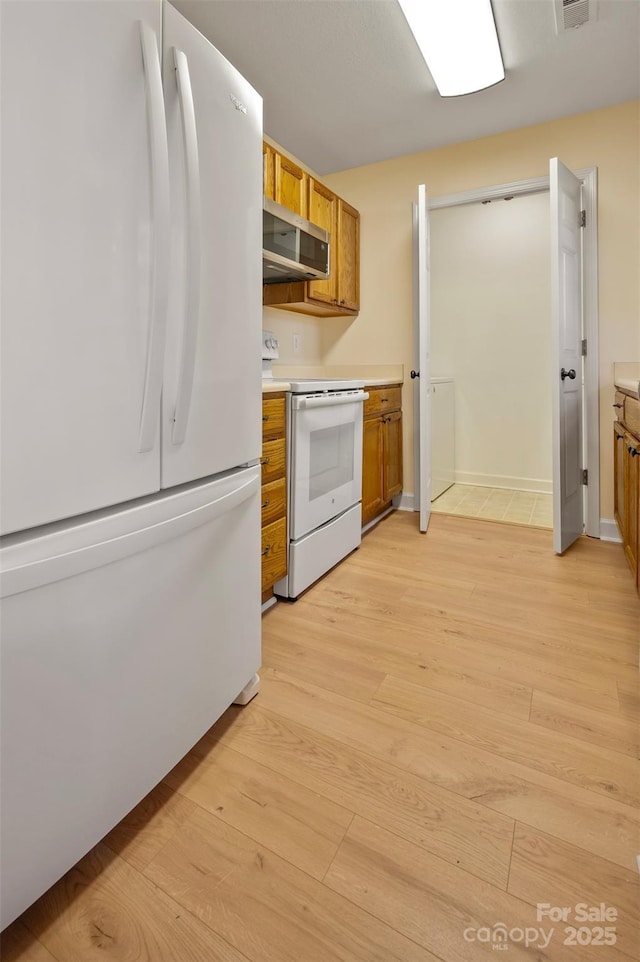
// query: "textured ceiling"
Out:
[344,83]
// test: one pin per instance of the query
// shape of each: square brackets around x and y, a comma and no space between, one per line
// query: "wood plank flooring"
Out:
[446,736]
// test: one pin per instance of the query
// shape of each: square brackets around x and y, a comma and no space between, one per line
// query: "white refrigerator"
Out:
[131,197]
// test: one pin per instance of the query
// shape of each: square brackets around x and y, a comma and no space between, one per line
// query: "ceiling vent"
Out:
[574,13]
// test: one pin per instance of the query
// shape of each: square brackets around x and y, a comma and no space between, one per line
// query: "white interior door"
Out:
[566,313]
[421,352]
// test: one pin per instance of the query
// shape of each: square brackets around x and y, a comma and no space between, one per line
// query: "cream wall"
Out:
[284,325]
[383,193]
[491,332]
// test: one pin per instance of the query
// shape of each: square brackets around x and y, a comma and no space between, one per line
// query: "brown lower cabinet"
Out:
[381,450]
[626,461]
[274,492]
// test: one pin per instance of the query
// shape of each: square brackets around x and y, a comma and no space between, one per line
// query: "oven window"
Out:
[331,459]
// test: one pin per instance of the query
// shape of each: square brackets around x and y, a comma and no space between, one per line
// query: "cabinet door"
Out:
[392,455]
[323,211]
[274,553]
[631,500]
[348,256]
[291,185]
[268,171]
[372,468]
[618,478]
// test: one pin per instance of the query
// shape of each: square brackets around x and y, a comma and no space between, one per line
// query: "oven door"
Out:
[326,457]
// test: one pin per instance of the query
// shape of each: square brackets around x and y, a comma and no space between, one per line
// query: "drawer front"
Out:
[274,553]
[274,501]
[632,415]
[273,417]
[273,460]
[618,405]
[382,399]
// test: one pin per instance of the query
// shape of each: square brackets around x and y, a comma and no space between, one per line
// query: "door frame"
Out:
[422,358]
[588,177]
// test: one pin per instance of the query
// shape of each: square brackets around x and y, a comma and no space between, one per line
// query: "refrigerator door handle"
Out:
[159,153]
[194,235]
[28,572]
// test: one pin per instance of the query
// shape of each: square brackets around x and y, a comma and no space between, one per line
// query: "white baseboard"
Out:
[269,603]
[609,530]
[536,485]
[404,502]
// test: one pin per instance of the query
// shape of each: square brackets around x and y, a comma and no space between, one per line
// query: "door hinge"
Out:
[582,219]
[585,476]
[584,347]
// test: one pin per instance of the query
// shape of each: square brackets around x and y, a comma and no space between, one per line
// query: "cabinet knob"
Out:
[265,504]
[618,405]
[266,550]
[571,374]
[265,417]
[264,460]
[633,452]
[414,375]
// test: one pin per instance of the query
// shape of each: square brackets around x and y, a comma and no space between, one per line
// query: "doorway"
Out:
[491,358]
[579,215]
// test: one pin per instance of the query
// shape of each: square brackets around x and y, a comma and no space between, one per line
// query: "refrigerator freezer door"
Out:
[212,384]
[123,640]
[78,244]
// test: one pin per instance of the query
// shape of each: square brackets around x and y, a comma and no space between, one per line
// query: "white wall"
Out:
[490,318]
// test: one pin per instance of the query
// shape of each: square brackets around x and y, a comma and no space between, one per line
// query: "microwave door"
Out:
[292,248]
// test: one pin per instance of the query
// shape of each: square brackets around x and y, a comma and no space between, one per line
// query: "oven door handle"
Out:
[330,400]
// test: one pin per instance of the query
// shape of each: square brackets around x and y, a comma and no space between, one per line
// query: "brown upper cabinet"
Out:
[323,211]
[348,244]
[269,170]
[291,183]
[284,181]
[340,294]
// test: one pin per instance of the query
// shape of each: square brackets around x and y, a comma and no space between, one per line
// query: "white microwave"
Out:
[293,248]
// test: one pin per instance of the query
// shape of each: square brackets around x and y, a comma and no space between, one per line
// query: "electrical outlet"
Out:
[296,343]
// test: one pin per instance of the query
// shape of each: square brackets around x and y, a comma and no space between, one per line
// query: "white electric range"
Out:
[324,470]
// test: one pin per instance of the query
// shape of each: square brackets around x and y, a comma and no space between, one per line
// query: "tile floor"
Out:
[496,504]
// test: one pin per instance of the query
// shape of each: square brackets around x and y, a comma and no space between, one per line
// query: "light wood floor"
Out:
[446,735]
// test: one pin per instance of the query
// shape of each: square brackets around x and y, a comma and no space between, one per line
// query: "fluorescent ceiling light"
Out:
[458,41]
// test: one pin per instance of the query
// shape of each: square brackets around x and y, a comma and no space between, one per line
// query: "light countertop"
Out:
[270,387]
[373,375]
[626,377]
[381,381]
[628,385]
